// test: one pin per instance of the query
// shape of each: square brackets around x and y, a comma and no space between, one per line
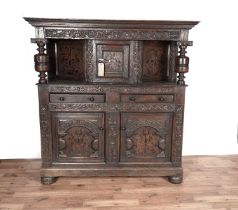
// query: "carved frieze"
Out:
[107,34]
[101,89]
[128,107]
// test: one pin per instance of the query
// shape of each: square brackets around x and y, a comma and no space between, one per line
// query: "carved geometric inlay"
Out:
[78,142]
[70,59]
[145,135]
[155,60]
[145,142]
[79,136]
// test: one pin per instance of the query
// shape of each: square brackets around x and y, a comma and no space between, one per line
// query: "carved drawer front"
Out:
[153,98]
[78,137]
[112,58]
[76,98]
[145,137]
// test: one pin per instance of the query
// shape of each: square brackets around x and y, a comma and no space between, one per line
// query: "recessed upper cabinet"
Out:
[112,61]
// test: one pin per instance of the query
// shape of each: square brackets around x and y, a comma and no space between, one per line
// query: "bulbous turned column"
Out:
[182,61]
[41,60]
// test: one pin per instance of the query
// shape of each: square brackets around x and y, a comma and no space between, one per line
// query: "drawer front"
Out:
[75,98]
[152,98]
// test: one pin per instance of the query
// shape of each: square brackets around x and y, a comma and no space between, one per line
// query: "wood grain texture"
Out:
[20,188]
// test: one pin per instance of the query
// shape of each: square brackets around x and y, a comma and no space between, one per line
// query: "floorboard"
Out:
[210,182]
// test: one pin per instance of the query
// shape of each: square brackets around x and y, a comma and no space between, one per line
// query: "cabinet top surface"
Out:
[117,24]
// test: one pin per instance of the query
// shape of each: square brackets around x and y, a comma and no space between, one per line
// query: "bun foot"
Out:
[176,179]
[46,180]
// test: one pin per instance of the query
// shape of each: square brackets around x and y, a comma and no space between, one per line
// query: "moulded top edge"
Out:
[113,24]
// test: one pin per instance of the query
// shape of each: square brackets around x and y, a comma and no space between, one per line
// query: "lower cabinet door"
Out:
[78,137]
[146,137]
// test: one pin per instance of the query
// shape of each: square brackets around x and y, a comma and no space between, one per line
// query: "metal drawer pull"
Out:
[91,99]
[123,128]
[61,98]
[161,99]
[132,98]
[101,128]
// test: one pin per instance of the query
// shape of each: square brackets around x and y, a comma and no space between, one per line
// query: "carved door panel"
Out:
[79,137]
[145,137]
[112,59]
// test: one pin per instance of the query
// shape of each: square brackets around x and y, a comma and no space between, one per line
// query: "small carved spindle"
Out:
[41,60]
[182,62]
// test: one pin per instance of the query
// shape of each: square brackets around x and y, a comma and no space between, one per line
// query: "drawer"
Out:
[76,98]
[151,98]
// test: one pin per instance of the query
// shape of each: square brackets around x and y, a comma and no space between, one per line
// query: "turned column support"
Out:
[41,59]
[182,61]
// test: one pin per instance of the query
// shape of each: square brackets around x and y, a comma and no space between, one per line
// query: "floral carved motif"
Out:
[149,107]
[111,34]
[145,142]
[78,138]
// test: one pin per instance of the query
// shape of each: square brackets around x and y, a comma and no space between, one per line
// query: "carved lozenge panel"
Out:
[145,137]
[79,137]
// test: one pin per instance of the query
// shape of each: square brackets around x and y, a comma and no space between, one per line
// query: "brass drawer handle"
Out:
[91,99]
[61,98]
[132,98]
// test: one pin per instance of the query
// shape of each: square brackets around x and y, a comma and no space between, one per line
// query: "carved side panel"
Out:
[146,137]
[113,127]
[44,127]
[79,137]
[70,62]
[178,134]
[155,61]
[173,51]
[136,62]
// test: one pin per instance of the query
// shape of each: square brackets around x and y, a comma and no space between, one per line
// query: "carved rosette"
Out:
[41,60]
[182,61]
[44,125]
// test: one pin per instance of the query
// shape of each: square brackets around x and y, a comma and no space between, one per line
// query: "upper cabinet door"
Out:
[113,61]
[78,137]
[145,137]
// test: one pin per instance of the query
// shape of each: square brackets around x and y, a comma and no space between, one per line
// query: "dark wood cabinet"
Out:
[111,97]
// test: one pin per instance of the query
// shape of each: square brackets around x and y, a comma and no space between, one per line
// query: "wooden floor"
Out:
[210,182]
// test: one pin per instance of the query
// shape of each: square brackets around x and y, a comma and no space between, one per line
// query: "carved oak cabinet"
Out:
[111,96]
